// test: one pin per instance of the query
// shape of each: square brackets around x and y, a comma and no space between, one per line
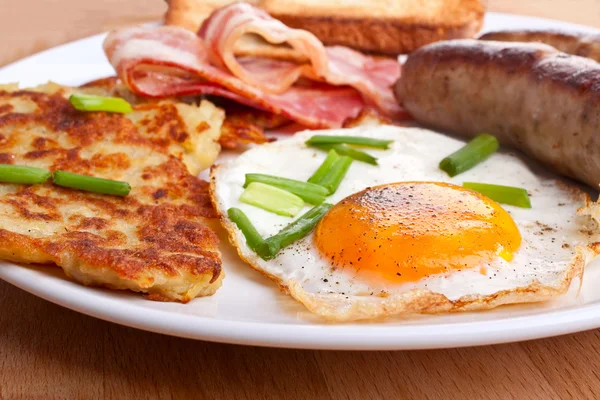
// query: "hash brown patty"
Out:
[156,240]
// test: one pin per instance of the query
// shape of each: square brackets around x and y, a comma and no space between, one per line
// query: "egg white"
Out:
[557,240]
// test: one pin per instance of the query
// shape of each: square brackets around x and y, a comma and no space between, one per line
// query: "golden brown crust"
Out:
[190,13]
[156,240]
[372,35]
[188,132]
[239,133]
[387,31]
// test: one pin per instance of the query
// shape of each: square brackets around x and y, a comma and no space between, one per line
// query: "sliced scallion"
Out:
[336,174]
[91,184]
[332,157]
[253,238]
[86,102]
[513,196]
[22,174]
[471,154]
[354,140]
[293,232]
[273,199]
[309,192]
[344,150]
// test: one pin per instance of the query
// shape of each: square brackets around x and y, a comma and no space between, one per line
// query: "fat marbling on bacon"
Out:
[334,84]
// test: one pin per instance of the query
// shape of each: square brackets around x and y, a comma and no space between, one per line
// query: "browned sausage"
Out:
[531,96]
[579,44]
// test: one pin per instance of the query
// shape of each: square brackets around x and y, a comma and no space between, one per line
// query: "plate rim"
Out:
[330,336]
[307,336]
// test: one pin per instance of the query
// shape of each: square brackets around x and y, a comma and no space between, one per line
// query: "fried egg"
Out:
[403,237]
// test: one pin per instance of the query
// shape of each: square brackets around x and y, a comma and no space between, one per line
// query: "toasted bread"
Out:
[191,13]
[377,26]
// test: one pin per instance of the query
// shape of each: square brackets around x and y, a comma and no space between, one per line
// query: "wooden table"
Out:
[50,352]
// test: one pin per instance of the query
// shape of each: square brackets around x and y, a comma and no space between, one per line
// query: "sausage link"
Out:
[578,44]
[531,96]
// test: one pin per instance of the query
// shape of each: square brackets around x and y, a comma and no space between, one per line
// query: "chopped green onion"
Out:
[334,176]
[293,232]
[253,238]
[91,184]
[332,157]
[513,196]
[344,150]
[86,102]
[22,174]
[470,155]
[273,199]
[309,192]
[355,140]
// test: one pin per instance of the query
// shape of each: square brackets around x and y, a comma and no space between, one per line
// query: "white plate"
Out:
[248,309]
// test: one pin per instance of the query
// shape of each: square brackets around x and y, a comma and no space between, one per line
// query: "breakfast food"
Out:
[399,235]
[365,222]
[171,61]
[529,95]
[370,26]
[578,44]
[240,127]
[153,237]
[189,133]
[191,14]
[235,134]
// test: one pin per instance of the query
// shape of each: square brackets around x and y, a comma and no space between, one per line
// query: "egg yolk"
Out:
[406,231]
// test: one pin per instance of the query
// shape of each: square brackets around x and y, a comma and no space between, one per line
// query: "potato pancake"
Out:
[156,240]
[190,133]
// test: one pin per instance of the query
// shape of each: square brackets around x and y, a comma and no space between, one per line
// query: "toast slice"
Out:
[374,26]
[191,13]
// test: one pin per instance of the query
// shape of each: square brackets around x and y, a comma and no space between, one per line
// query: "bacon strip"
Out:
[336,65]
[171,61]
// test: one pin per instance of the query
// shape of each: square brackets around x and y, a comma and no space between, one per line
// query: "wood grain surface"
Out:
[48,352]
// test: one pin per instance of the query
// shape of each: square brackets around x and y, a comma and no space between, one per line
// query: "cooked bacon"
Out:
[237,132]
[335,85]
[336,65]
[171,61]
[238,113]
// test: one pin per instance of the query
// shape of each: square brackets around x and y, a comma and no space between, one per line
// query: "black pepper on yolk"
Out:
[406,231]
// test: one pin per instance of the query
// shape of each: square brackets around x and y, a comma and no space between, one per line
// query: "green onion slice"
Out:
[513,196]
[86,102]
[91,184]
[336,174]
[273,199]
[474,152]
[332,157]
[22,174]
[253,238]
[344,150]
[354,140]
[309,192]
[293,232]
